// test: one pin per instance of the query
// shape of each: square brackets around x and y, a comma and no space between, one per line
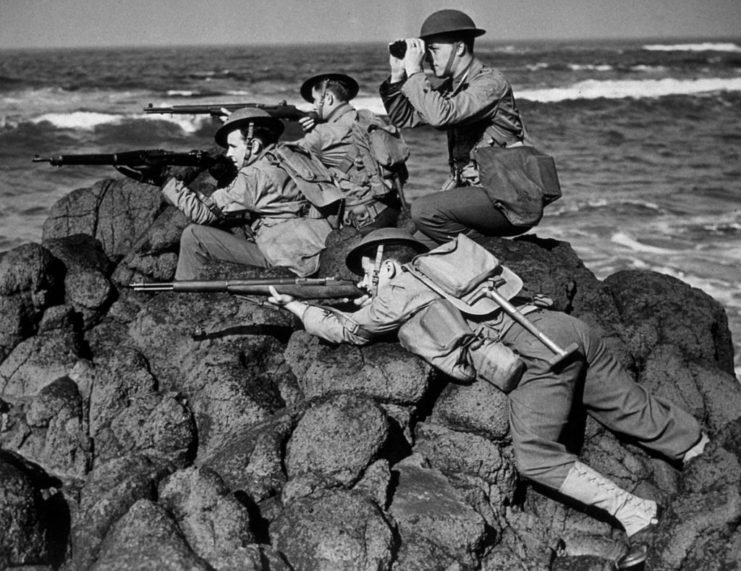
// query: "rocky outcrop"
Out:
[204,431]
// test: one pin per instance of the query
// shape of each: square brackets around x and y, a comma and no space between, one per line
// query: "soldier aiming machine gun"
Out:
[147,165]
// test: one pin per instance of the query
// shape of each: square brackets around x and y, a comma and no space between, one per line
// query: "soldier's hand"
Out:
[279,299]
[307,123]
[415,56]
[224,114]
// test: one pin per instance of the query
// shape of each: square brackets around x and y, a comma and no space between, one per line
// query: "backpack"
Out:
[460,270]
[381,153]
[313,179]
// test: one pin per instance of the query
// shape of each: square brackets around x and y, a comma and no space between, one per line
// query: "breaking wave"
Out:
[633,88]
[701,47]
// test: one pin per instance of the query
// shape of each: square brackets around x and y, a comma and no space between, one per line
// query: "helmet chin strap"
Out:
[451,59]
[376,270]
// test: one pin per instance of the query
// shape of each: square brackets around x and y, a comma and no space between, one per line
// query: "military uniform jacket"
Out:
[395,303]
[477,109]
[282,231]
[332,142]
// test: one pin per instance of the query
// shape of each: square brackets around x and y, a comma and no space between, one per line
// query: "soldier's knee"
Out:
[191,236]
[421,211]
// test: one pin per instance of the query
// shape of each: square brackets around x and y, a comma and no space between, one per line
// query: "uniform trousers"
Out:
[200,243]
[542,403]
[441,216]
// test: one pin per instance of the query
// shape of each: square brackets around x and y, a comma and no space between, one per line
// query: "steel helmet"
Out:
[448,22]
[241,118]
[346,80]
[384,236]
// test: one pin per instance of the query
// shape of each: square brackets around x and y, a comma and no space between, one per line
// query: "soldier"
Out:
[335,142]
[475,105]
[540,398]
[284,234]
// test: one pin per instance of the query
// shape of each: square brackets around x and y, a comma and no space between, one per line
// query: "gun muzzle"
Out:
[142,286]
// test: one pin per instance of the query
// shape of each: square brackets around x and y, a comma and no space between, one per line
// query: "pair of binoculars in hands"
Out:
[398,49]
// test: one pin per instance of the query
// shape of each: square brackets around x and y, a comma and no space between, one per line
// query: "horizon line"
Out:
[645,39]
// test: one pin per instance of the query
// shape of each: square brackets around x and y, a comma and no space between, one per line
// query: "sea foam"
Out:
[633,88]
[701,47]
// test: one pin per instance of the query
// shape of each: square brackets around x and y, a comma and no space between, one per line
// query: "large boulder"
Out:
[658,309]
[106,496]
[86,285]
[437,527]
[114,211]
[39,360]
[337,439]
[49,429]
[31,279]
[23,540]
[336,530]
[383,371]
[147,537]
[213,522]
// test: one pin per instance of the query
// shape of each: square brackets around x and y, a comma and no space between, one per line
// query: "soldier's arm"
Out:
[239,196]
[400,110]
[479,99]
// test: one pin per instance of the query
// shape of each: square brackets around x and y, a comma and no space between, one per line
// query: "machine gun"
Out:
[280,111]
[148,165]
[301,288]
[134,159]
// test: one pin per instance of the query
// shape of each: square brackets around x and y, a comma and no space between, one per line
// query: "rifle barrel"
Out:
[306,288]
[281,110]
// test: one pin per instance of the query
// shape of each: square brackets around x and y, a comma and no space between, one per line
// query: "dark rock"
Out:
[39,360]
[659,309]
[109,491]
[337,439]
[147,537]
[154,256]
[336,530]
[222,354]
[479,407]
[437,528]
[454,452]
[213,522]
[23,539]
[383,371]
[86,284]
[31,279]
[49,430]
[698,386]
[251,461]
[376,483]
[114,211]
[128,414]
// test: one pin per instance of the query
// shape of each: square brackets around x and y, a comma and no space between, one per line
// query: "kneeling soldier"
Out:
[284,233]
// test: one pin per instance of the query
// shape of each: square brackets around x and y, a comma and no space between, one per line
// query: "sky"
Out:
[102,23]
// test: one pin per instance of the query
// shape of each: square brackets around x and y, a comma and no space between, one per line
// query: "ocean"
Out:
[646,135]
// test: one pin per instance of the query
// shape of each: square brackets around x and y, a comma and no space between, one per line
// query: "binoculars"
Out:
[398,49]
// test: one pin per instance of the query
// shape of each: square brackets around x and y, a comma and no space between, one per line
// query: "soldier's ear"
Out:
[389,269]
[256,146]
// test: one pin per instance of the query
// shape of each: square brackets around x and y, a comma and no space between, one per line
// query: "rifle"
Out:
[280,111]
[134,159]
[302,288]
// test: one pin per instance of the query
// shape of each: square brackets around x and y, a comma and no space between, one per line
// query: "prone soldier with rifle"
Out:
[459,309]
